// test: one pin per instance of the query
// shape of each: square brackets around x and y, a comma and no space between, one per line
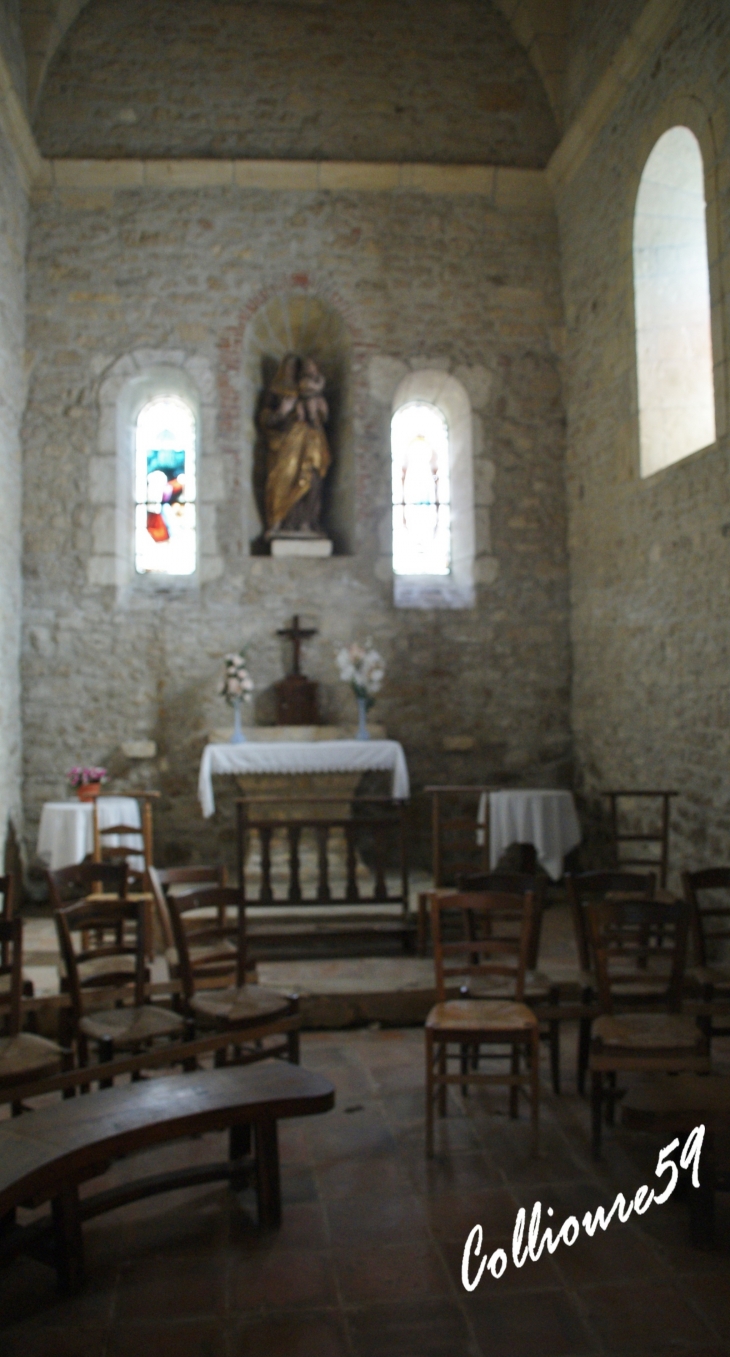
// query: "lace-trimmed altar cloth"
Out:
[320,756]
[544,817]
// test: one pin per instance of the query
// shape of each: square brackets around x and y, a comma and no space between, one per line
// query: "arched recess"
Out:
[305,324]
[455,590]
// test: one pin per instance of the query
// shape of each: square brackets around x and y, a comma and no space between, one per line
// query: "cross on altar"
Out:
[296,635]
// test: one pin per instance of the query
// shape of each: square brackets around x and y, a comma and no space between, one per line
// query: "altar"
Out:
[290,753]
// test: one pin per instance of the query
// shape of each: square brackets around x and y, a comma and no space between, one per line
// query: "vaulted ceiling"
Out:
[540,27]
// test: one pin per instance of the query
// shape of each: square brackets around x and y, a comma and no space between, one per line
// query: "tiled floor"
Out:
[368,1258]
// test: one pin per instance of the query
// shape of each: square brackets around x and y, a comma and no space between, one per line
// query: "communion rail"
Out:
[338,878]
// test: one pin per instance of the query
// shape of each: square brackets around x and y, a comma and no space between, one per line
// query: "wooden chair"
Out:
[209,929]
[181,881]
[141,847]
[652,936]
[455,847]
[501,953]
[103,948]
[638,833]
[584,888]
[23,1055]
[710,925]
[541,993]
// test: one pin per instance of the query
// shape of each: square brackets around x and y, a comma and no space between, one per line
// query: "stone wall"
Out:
[650,563]
[418,279]
[13,214]
[337,79]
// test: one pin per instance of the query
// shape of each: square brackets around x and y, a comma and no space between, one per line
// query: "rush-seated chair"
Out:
[181,881]
[498,953]
[541,993]
[23,1055]
[103,948]
[209,929]
[654,936]
[707,893]
[590,888]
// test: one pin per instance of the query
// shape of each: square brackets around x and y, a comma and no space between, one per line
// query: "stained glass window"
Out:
[165,527]
[421,491]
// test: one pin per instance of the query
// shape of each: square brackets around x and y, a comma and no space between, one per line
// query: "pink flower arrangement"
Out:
[81,777]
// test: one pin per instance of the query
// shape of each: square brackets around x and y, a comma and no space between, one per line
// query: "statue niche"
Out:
[292,420]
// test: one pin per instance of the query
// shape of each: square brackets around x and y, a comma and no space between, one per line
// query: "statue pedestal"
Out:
[301,546]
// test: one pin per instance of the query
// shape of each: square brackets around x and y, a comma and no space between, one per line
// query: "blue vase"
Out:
[362,712]
[238,736]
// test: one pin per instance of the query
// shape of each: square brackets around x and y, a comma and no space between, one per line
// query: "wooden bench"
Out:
[46,1154]
[673,1107]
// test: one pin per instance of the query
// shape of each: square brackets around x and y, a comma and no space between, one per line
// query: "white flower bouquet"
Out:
[363,668]
[236,684]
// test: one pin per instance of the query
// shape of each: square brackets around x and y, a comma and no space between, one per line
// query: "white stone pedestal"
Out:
[301,546]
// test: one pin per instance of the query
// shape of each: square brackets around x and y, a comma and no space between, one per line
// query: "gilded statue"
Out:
[292,421]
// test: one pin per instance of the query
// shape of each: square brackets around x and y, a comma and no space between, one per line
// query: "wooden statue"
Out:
[298,457]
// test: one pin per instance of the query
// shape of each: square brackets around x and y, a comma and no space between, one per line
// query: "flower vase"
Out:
[88,791]
[362,714]
[238,736]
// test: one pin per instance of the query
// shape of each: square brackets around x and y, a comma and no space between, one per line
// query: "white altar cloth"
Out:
[66,831]
[545,818]
[321,756]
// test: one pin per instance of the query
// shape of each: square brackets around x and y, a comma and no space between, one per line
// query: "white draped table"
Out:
[294,756]
[66,832]
[545,818]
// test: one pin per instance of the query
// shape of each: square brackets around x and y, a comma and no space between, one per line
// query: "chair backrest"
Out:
[640,817]
[709,917]
[209,929]
[11,965]
[585,888]
[69,884]
[141,836]
[162,878]
[512,883]
[457,845]
[103,947]
[639,937]
[501,952]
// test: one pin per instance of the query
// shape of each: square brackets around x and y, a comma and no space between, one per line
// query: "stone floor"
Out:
[368,1258]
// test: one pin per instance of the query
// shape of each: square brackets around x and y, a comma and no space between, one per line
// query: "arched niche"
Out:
[305,325]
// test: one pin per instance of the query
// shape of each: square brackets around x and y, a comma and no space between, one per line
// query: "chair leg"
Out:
[422,924]
[596,1112]
[464,1069]
[584,1046]
[442,1076]
[555,1055]
[535,1091]
[292,1044]
[429,1094]
[514,1092]
[611,1098]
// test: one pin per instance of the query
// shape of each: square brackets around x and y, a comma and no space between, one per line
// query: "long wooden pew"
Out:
[47,1154]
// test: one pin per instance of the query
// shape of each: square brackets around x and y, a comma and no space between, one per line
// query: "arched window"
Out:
[165,492]
[672,300]
[432,515]
[421,490]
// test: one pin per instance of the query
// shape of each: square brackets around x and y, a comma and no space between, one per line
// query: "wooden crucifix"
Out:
[296,696]
[296,635]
